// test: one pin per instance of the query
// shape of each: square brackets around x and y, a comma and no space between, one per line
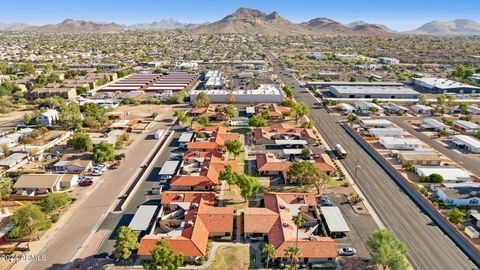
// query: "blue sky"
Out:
[396,14]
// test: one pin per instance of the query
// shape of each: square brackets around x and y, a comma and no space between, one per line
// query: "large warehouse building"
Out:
[264,93]
[393,92]
[442,85]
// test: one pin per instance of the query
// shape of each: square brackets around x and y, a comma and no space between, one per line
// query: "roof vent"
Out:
[285,224]
[190,223]
[282,206]
[194,205]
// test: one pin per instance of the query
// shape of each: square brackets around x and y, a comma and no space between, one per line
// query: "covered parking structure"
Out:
[336,225]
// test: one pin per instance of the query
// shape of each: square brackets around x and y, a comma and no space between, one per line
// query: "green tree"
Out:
[234,147]
[228,175]
[353,79]
[306,153]
[81,141]
[302,172]
[70,116]
[463,107]
[456,216]
[28,219]
[103,152]
[299,110]
[257,121]
[164,258]
[230,112]
[441,99]
[450,100]
[299,222]
[269,252]
[248,185]
[181,116]
[387,250]
[408,166]
[6,188]
[54,201]
[293,253]
[352,118]
[373,109]
[287,90]
[201,101]
[202,120]
[422,99]
[125,242]
[81,90]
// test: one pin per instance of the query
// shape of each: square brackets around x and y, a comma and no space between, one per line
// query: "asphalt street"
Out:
[142,196]
[428,247]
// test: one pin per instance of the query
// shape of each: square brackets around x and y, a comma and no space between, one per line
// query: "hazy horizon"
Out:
[401,16]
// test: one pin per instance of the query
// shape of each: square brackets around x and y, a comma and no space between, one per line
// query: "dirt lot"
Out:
[146,110]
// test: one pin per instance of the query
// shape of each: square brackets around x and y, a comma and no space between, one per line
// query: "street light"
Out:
[357,166]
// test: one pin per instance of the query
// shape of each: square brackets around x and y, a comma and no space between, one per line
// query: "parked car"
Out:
[156,190]
[115,165]
[324,201]
[176,157]
[85,183]
[85,178]
[96,173]
[121,156]
[347,251]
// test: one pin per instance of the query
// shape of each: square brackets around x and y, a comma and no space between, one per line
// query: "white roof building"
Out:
[433,124]
[458,194]
[386,92]
[386,132]
[443,85]
[376,123]
[394,143]
[469,143]
[346,108]
[264,93]
[364,107]
[466,126]
[449,174]
[422,109]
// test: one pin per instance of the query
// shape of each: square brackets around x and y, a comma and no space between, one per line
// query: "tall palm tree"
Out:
[351,118]
[269,252]
[293,253]
[299,222]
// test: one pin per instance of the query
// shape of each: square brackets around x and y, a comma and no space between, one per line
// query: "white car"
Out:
[96,173]
[347,251]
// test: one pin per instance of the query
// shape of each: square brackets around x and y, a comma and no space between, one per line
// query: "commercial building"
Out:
[433,124]
[393,143]
[424,158]
[386,92]
[186,221]
[449,174]
[274,224]
[375,123]
[214,80]
[264,93]
[421,109]
[469,143]
[364,107]
[386,132]
[466,126]
[442,85]
[458,194]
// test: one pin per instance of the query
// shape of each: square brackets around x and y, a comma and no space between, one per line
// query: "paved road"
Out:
[428,247]
[70,237]
[142,196]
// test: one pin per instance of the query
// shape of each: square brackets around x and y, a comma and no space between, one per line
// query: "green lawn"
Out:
[235,258]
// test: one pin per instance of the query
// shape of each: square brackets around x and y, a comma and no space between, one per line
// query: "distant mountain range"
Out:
[455,27]
[167,24]
[246,20]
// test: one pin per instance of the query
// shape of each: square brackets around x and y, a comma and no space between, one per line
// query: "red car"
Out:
[86,183]
[115,165]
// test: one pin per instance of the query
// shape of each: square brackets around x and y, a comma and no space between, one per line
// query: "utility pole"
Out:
[357,166]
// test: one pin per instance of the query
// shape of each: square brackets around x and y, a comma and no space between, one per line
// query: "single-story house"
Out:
[449,174]
[467,142]
[421,109]
[458,194]
[73,163]
[43,183]
[394,143]
[466,126]
[425,158]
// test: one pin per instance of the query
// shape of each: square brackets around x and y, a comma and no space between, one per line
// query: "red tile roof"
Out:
[205,219]
[218,137]
[269,163]
[276,221]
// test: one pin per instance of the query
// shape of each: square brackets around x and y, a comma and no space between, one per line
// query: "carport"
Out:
[335,223]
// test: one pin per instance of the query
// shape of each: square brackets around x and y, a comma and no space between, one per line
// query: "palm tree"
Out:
[293,253]
[269,252]
[351,118]
[299,222]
